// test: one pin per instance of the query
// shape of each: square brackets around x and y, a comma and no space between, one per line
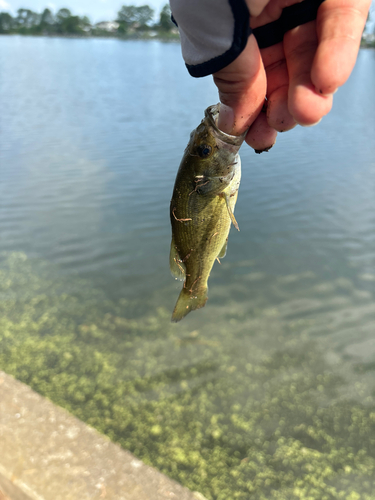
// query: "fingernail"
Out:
[328,93]
[226,119]
[265,150]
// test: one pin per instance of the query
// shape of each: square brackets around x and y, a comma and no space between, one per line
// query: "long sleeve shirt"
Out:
[214,32]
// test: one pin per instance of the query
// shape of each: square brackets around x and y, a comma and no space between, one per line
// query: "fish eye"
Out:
[204,150]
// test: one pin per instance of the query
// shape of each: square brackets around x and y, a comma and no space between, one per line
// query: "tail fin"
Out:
[186,303]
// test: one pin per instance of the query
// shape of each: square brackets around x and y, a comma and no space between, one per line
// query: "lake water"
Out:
[269,391]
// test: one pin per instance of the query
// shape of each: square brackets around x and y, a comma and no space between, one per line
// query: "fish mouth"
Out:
[212,114]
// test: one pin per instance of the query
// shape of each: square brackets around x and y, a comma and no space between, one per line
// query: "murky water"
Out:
[266,393]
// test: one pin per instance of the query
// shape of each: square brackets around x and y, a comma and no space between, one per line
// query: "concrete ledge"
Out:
[47,454]
[9,491]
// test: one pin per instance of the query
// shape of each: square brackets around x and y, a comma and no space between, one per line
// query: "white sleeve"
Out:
[213,32]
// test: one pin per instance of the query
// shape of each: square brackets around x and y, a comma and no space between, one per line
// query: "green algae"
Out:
[265,401]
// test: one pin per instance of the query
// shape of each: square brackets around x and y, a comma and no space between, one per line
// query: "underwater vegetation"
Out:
[263,402]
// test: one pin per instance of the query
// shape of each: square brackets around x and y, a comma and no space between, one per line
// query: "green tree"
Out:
[47,18]
[26,20]
[130,16]
[47,22]
[145,15]
[165,22]
[85,22]
[62,17]
[6,22]
[67,24]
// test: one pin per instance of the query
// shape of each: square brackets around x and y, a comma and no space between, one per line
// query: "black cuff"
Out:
[266,35]
[291,17]
[241,33]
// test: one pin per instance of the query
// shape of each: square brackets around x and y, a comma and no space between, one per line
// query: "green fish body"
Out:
[202,206]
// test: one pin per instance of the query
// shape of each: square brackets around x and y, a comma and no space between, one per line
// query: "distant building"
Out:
[110,26]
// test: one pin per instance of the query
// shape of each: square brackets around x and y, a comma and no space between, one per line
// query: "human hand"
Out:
[298,75]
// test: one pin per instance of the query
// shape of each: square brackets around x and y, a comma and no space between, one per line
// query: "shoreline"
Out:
[173,38]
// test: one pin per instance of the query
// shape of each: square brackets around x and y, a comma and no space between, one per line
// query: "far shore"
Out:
[160,38]
[171,37]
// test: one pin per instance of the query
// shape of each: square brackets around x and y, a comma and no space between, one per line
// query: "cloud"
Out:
[4,4]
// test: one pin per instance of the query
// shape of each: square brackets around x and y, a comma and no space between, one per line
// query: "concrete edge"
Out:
[9,491]
[47,454]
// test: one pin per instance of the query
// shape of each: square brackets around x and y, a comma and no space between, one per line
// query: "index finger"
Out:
[340,25]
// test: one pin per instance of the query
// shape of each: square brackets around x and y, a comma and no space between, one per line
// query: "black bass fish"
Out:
[202,205]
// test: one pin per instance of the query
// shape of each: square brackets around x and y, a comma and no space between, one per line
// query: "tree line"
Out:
[131,20]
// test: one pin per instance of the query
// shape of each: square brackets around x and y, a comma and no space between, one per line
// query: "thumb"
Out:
[242,89]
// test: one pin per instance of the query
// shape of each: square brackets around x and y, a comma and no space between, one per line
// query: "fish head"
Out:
[212,154]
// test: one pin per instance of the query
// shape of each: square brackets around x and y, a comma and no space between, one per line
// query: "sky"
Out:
[96,10]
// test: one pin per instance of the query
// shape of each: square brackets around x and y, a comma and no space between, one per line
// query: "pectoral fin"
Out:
[223,251]
[231,215]
[177,267]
